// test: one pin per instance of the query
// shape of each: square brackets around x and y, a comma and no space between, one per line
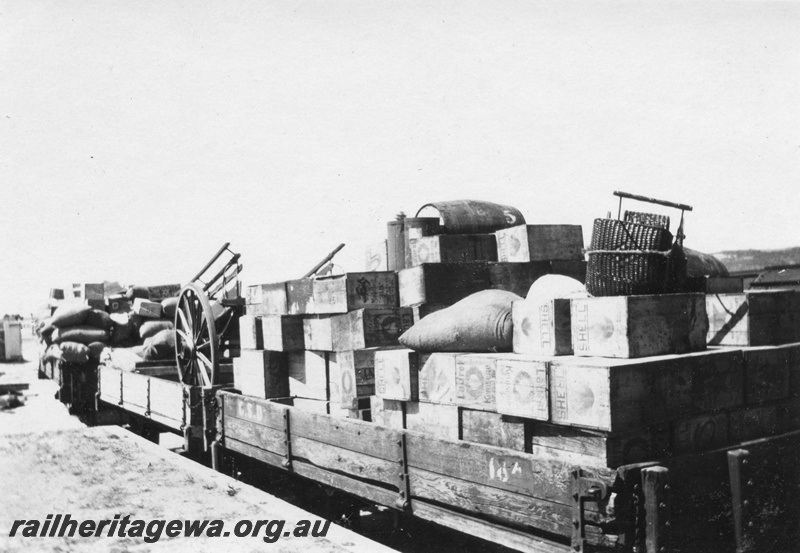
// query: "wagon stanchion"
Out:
[655,485]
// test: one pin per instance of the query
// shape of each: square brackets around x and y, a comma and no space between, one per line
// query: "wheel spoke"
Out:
[183,321]
[206,369]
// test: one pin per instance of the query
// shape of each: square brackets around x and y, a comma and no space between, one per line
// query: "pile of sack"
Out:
[77,333]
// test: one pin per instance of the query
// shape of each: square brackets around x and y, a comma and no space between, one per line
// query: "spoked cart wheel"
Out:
[196,341]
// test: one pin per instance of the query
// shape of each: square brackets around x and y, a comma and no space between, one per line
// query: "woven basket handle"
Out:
[679,236]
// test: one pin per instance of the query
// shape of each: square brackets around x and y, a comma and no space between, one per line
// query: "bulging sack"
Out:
[73,352]
[480,322]
[82,334]
[96,350]
[160,346]
[151,328]
[168,307]
[70,314]
[99,319]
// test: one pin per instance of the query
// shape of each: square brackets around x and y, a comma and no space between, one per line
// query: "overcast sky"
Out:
[138,136]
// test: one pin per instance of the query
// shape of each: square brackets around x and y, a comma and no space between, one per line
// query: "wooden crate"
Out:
[442,283]
[453,248]
[543,327]
[484,427]
[517,277]
[367,328]
[439,421]
[376,257]
[312,405]
[606,449]
[251,335]
[397,374]
[753,318]
[425,309]
[260,373]
[388,412]
[318,332]
[767,371]
[343,293]
[283,332]
[267,299]
[163,291]
[754,422]
[88,291]
[540,243]
[118,305]
[625,395]
[300,296]
[701,433]
[475,381]
[356,370]
[437,378]
[522,387]
[308,374]
[638,326]
[572,269]
[145,308]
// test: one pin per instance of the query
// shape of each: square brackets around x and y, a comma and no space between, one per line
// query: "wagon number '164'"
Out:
[502,469]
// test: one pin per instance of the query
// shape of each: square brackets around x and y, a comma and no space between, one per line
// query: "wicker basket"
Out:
[628,272]
[612,234]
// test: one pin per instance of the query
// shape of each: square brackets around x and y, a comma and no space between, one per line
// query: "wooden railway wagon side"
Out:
[156,400]
[722,499]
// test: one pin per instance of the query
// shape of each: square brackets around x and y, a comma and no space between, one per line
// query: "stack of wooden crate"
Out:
[314,340]
[599,381]
[616,396]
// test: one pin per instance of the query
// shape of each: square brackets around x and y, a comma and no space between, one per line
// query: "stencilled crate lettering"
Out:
[559,383]
[545,316]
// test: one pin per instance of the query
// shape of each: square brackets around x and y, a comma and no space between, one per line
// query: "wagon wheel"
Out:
[195,338]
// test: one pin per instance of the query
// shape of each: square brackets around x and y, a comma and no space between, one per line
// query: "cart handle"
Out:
[682,207]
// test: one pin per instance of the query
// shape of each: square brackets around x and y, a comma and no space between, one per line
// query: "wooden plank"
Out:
[540,243]
[266,413]
[622,396]
[483,427]
[397,374]
[437,378]
[638,326]
[318,332]
[542,327]
[488,531]
[320,406]
[360,489]
[261,373]
[439,421]
[351,291]
[308,374]
[475,381]
[499,506]
[523,387]
[250,332]
[283,333]
[495,467]
[166,399]
[356,370]
[453,248]
[254,452]
[760,421]
[354,464]
[443,283]
[256,435]
[367,328]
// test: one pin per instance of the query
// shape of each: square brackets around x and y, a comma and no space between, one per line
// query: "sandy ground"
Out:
[51,463]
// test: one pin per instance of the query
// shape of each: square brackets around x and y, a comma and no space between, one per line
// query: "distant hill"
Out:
[755,260]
